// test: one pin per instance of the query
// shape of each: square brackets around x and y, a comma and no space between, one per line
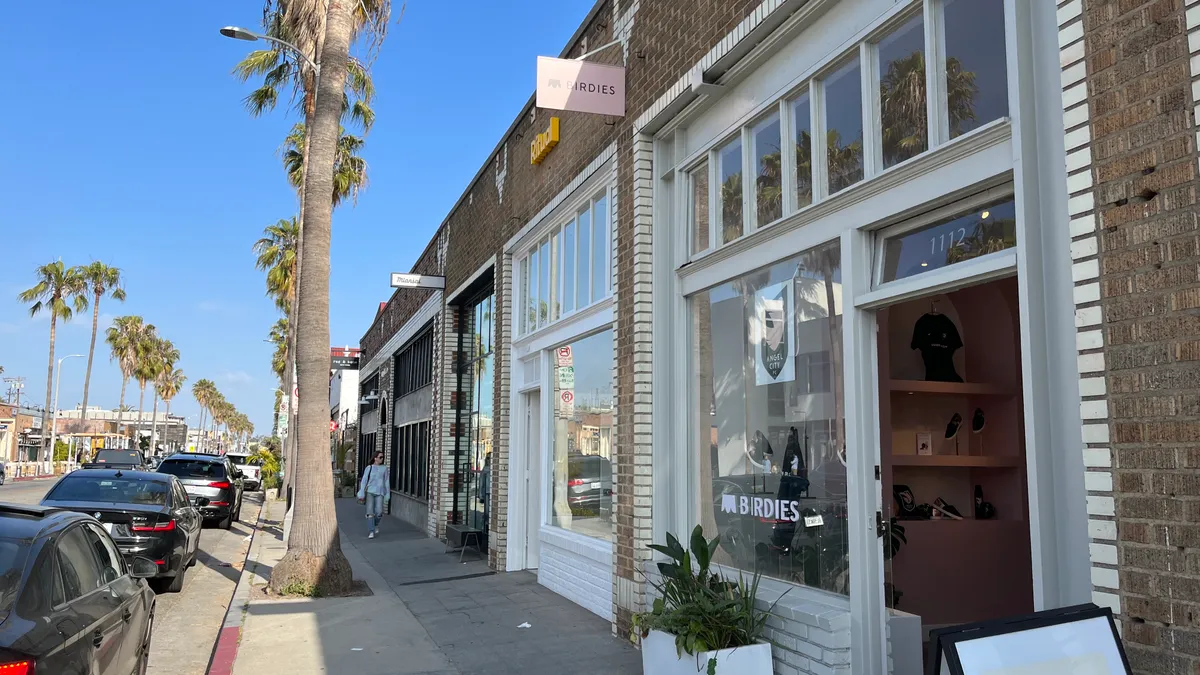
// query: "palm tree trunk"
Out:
[137,437]
[154,421]
[87,378]
[314,554]
[200,430]
[121,405]
[165,429]
[49,385]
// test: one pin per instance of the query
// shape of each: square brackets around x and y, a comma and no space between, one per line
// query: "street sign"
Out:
[344,363]
[566,377]
[568,404]
[564,356]
[417,281]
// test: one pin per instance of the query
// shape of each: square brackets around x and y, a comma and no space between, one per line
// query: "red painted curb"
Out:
[25,478]
[226,652]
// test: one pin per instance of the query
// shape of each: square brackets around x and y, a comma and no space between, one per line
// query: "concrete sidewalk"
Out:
[429,614]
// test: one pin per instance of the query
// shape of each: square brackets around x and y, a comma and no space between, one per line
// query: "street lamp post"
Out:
[49,456]
[238,33]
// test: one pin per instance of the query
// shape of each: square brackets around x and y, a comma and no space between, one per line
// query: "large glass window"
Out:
[729,199]
[582,475]
[768,166]
[976,70]
[569,269]
[769,428]
[979,231]
[843,115]
[698,181]
[410,460]
[902,101]
[802,132]
[473,455]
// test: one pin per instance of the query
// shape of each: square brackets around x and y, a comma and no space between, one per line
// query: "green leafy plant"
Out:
[703,610]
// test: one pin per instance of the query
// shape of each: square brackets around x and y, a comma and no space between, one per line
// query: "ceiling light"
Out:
[924,264]
[985,214]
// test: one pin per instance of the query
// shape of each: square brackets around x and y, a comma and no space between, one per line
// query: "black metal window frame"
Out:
[468,355]
[413,364]
[410,459]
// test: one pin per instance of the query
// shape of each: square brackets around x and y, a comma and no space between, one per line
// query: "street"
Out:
[185,624]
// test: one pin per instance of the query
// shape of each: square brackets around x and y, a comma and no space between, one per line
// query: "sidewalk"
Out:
[428,615]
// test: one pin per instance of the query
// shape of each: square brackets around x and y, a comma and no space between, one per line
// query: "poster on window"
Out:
[773,333]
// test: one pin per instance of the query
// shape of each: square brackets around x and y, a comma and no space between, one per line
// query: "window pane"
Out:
[768,165]
[843,115]
[600,262]
[982,231]
[902,99]
[976,75]
[802,123]
[533,290]
[78,566]
[555,261]
[543,311]
[584,258]
[729,171]
[568,268]
[769,426]
[699,207]
[582,472]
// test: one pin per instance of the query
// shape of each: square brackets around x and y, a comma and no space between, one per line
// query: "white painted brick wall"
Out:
[580,572]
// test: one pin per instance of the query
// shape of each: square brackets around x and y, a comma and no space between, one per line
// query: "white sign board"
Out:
[581,86]
[773,333]
[1086,647]
[566,377]
[567,407]
[564,356]
[417,281]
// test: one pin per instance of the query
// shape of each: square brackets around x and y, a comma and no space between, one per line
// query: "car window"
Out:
[193,468]
[118,457]
[78,565]
[181,495]
[43,588]
[83,487]
[110,559]
[12,560]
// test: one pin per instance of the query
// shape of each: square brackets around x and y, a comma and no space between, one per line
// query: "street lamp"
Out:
[54,409]
[238,33]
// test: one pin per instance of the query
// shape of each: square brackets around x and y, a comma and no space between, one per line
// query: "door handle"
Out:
[98,638]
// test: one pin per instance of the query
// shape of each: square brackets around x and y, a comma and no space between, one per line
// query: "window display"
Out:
[472,498]
[769,422]
[582,472]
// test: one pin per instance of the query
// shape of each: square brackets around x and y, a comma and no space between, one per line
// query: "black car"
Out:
[117,459]
[212,483]
[69,603]
[147,514]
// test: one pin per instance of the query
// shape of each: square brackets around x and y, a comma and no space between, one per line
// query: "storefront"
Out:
[561,463]
[475,443]
[858,234]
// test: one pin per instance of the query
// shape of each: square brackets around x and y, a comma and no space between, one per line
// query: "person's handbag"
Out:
[362,486]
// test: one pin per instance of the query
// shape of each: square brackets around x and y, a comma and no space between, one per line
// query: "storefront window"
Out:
[769,422]
[601,269]
[902,100]
[802,131]
[474,461]
[768,163]
[980,231]
[843,115]
[698,180]
[582,475]
[976,70]
[729,172]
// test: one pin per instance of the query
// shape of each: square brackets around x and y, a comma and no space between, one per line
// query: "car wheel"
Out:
[226,522]
[175,583]
[143,663]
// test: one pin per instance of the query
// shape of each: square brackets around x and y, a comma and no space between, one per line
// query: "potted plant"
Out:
[701,622]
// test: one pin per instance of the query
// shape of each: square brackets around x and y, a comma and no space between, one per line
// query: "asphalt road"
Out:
[186,624]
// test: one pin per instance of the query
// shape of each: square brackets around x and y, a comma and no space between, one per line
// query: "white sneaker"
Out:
[371,535]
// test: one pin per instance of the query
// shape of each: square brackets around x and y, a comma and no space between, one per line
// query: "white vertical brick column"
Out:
[445,341]
[1089,339]
[502,358]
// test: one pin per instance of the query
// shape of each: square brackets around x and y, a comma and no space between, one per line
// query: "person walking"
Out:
[375,491]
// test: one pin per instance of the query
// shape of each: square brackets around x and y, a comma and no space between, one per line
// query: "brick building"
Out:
[841,262]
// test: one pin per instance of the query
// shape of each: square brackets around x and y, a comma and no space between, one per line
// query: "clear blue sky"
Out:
[123,138]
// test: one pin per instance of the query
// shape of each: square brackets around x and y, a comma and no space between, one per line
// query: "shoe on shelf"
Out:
[952,427]
[948,511]
[977,421]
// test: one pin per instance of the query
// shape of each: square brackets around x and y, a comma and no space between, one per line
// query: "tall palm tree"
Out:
[203,391]
[276,255]
[146,355]
[123,338]
[165,356]
[169,384]
[349,169]
[101,280]
[279,337]
[59,291]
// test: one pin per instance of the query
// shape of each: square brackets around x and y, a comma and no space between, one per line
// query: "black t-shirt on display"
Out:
[937,338]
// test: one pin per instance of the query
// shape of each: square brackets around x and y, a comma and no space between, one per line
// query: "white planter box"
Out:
[660,658]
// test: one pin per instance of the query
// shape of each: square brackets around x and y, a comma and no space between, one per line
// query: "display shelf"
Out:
[961,388]
[981,461]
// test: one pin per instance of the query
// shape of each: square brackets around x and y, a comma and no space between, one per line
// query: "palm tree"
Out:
[203,391]
[169,384]
[349,169]
[101,280]
[276,255]
[279,337]
[165,356]
[145,371]
[59,291]
[123,338]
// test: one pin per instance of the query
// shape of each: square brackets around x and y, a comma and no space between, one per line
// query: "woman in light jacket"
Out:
[374,491]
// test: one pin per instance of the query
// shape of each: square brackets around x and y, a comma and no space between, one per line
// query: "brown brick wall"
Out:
[1145,185]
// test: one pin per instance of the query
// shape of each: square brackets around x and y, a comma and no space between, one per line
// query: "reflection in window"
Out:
[568,267]
[768,164]
[802,123]
[729,172]
[698,180]
[585,256]
[600,266]
[843,117]
[555,278]
[769,421]
[582,484]
[902,99]
[544,298]
[533,289]
[976,70]
[473,460]
[981,231]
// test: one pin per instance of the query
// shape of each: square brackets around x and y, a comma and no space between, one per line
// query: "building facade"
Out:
[898,298]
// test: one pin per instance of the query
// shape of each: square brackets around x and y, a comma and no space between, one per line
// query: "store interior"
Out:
[953,457]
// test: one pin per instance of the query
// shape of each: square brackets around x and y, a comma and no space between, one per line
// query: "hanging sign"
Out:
[566,377]
[417,281]
[567,398]
[773,333]
[564,356]
[581,86]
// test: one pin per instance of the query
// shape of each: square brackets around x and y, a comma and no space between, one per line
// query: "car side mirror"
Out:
[142,568]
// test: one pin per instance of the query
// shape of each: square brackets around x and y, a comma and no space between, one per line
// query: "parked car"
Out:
[1,473]
[589,485]
[69,603]
[251,468]
[147,514]
[117,459]
[212,483]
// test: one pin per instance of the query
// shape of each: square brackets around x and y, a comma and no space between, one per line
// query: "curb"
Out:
[22,479]
[225,650]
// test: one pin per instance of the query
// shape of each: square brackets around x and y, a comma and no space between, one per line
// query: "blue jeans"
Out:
[374,511]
